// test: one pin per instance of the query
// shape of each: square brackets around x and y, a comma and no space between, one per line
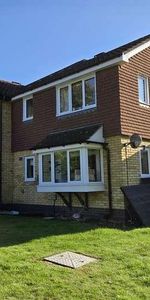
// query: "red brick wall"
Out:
[26,134]
[134,117]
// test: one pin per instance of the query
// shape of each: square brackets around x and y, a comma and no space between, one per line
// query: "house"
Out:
[70,136]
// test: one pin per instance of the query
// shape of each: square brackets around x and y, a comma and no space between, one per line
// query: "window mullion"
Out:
[68,167]
[52,168]
[70,97]
[84,165]
[83,94]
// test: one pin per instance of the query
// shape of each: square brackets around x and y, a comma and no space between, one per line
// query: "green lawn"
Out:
[122,271]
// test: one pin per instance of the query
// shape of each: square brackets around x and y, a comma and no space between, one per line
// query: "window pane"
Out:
[75,173]
[90,91]
[64,101]
[29,108]
[144,162]
[30,167]
[77,95]
[94,165]
[46,168]
[142,82]
[60,159]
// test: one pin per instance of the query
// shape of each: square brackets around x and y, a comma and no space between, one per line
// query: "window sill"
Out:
[146,105]
[27,120]
[90,187]
[145,176]
[76,111]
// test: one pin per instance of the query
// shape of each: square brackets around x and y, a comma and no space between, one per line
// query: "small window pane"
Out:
[77,95]
[94,165]
[29,108]
[60,160]
[46,168]
[90,91]
[30,168]
[144,162]
[142,85]
[64,100]
[75,173]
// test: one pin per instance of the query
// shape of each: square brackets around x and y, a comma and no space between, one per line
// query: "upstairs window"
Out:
[29,168]
[143,87]
[28,108]
[76,96]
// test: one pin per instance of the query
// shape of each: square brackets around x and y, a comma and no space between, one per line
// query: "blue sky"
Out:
[38,37]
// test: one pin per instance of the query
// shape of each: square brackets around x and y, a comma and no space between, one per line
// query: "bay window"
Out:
[74,165]
[76,95]
[60,166]
[94,165]
[76,168]
[46,170]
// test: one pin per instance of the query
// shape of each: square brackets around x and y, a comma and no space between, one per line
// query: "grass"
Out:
[122,271]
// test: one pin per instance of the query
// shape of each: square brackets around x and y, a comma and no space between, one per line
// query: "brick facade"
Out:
[26,135]
[7,157]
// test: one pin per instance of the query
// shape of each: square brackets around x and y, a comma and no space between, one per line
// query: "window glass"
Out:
[94,165]
[144,162]
[29,108]
[77,96]
[90,91]
[64,101]
[75,173]
[46,168]
[60,162]
[142,85]
[29,168]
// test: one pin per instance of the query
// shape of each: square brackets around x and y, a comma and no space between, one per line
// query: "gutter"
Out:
[0,151]
[106,148]
[119,60]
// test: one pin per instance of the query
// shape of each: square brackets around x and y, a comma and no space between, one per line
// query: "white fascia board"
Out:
[67,147]
[135,51]
[119,60]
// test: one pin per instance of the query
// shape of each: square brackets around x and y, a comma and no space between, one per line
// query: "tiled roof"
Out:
[9,89]
[86,63]
[69,137]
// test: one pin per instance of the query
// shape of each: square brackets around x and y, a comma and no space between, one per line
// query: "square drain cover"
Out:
[70,259]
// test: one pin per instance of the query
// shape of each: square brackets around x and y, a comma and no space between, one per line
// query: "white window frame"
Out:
[69,85]
[25,168]
[146,87]
[25,118]
[142,174]
[81,185]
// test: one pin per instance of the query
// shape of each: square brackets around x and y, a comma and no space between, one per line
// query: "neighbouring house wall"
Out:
[135,117]
[7,167]
[26,135]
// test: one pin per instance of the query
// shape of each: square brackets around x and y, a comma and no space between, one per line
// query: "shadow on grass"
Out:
[17,229]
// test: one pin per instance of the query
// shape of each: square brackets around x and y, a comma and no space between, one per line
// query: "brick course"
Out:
[26,135]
